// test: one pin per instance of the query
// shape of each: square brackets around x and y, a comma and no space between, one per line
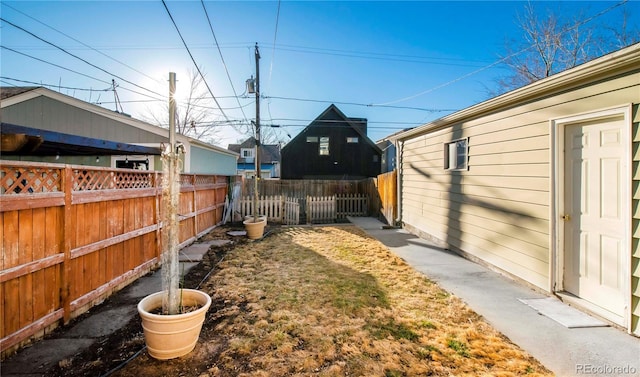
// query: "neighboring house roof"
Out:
[358,124]
[269,153]
[32,141]
[10,96]
[392,136]
[6,92]
[605,65]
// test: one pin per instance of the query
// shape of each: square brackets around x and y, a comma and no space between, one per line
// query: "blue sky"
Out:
[357,54]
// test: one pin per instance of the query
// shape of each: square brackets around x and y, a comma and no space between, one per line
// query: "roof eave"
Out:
[626,57]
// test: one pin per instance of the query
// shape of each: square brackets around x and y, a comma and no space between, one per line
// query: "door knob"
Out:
[566,217]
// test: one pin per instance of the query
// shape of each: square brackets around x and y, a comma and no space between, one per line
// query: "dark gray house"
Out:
[332,146]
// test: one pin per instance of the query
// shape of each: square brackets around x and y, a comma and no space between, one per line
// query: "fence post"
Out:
[333,209]
[158,215]
[67,229]
[194,205]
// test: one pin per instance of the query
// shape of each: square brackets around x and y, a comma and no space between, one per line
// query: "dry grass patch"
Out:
[331,301]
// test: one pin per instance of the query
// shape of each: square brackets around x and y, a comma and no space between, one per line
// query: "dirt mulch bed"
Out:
[320,301]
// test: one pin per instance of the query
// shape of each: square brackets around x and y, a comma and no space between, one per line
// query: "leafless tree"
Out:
[551,44]
[196,115]
[623,35]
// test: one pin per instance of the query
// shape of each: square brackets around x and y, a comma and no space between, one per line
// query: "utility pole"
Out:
[257,156]
[257,159]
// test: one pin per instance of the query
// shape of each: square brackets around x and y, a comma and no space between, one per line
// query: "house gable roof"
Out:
[357,124]
[32,141]
[269,153]
[14,95]
[8,92]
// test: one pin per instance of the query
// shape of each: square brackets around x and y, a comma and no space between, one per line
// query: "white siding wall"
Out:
[499,209]
[635,226]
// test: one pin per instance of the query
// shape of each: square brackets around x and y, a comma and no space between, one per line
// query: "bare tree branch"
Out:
[195,116]
[551,44]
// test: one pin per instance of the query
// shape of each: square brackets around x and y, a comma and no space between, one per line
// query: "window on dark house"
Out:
[324,146]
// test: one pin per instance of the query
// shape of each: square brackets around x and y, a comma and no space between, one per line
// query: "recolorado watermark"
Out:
[603,370]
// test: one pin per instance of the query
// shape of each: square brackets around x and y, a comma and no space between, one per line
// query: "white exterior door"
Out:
[595,213]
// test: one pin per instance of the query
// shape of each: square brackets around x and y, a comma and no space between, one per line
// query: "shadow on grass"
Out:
[311,278]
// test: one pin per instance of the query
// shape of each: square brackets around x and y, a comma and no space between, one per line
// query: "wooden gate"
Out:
[291,212]
[321,209]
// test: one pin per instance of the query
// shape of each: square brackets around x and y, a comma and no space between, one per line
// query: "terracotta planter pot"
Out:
[171,336]
[255,230]
[260,217]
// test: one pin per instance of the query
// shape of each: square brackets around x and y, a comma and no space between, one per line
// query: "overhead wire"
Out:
[359,104]
[55,65]
[194,60]
[77,57]
[57,86]
[355,55]
[273,53]
[82,43]
[78,73]
[275,35]
[500,60]
[222,58]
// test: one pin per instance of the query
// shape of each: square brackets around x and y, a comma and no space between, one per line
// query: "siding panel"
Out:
[498,210]
[635,225]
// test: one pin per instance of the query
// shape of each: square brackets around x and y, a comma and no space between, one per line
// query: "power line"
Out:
[319,51]
[500,60]
[76,72]
[127,101]
[55,65]
[324,121]
[395,59]
[273,54]
[77,57]
[359,104]
[222,58]
[56,86]
[275,34]
[82,43]
[193,60]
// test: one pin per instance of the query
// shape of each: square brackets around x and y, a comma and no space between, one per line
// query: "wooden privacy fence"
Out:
[277,208]
[337,207]
[351,205]
[323,209]
[72,235]
[301,188]
[270,206]
[380,191]
[387,188]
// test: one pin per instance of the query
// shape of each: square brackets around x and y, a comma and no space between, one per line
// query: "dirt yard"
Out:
[317,301]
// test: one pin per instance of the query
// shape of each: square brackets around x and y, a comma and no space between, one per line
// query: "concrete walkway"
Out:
[593,351]
[44,354]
